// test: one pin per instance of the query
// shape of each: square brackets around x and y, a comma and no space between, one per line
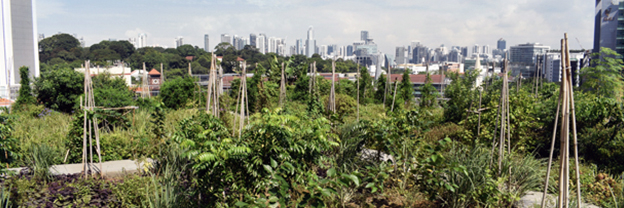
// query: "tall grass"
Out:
[49,130]
[41,158]
[480,187]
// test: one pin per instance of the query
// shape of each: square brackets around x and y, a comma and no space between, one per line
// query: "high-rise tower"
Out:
[206,43]
[310,43]
[19,43]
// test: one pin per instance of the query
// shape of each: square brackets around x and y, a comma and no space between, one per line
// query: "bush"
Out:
[177,93]
[60,89]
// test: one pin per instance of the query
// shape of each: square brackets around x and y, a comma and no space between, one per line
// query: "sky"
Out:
[390,23]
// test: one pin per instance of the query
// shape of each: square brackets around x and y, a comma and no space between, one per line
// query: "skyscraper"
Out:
[349,50]
[142,40]
[475,49]
[179,41]
[400,55]
[252,39]
[206,43]
[608,31]
[364,35]
[261,43]
[501,44]
[19,41]
[310,43]
[525,53]
[486,49]
[225,38]
[299,47]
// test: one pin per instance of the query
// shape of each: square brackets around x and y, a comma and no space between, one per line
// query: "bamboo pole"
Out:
[552,147]
[387,85]
[479,123]
[563,193]
[358,92]
[332,93]
[90,146]
[571,96]
[162,74]
[282,88]
[84,129]
[501,143]
[396,85]
[243,99]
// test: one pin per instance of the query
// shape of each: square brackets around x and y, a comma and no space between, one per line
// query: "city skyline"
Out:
[390,23]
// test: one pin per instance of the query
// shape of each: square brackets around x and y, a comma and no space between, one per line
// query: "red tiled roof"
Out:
[6,102]
[153,72]
[419,78]
[190,58]
[239,59]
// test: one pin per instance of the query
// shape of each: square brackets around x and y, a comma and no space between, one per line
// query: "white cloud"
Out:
[390,22]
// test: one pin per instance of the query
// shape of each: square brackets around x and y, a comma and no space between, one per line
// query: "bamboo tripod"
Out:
[566,105]
[505,131]
[242,95]
[92,127]
[145,92]
[212,98]
[282,88]
[332,94]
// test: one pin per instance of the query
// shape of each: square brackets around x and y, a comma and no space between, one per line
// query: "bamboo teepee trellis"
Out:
[504,119]
[566,105]
[212,98]
[332,93]
[145,90]
[92,127]
[243,98]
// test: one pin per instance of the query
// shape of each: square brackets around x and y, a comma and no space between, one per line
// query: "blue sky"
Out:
[390,23]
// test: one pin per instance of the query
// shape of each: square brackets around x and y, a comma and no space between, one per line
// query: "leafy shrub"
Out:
[176,93]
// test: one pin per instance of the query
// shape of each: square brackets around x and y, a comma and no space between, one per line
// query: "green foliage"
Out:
[381,86]
[406,90]
[60,89]
[428,94]
[8,143]
[605,76]
[111,92]
[460,95]
[25,96]
[51,46]
[177,93]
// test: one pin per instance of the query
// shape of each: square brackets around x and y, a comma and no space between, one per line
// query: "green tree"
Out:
[605,75]
[381,89]
[460,95]
[124,48]
[176,93]
[111,92]
[366,86]
[428,93]
[60,89]
[25,95]
[49,47]
[406,90]
[186,50]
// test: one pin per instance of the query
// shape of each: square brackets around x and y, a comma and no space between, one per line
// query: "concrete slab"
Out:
[110,168]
